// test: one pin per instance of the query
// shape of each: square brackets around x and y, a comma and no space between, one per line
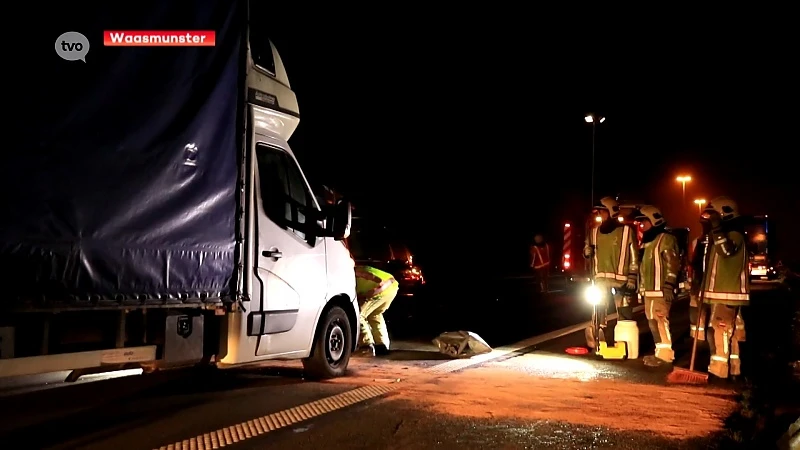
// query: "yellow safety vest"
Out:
[371,281]
[612,258]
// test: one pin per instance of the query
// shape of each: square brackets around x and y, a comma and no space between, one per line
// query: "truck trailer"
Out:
[154,213]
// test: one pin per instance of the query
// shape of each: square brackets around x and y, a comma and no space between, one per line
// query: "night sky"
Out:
[474,141]
[465,128]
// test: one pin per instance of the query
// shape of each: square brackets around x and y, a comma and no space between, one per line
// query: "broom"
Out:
[690,376]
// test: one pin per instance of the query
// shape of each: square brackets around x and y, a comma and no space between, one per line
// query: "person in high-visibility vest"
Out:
[540,261]
[614,250]
[658,280]
[726,286]
[375,290]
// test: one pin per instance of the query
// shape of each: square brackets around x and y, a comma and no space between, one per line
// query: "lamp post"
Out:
[700,202]
[683,179]
[590,118]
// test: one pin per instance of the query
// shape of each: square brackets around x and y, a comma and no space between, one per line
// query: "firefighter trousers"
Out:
[373,325]
[656,310]
[728,326]
[694,310]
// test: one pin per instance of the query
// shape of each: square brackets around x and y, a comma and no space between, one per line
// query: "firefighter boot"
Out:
[718,367]
[653,361]
[381,350]
[665,353]
[367,351]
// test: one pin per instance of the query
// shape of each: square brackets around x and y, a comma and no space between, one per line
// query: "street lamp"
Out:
[683,179]
[700,202]
[590,118]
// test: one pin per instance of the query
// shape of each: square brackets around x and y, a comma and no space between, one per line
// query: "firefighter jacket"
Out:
[540,256]
[371,282]
[660,265]
[615,253]
[727,279]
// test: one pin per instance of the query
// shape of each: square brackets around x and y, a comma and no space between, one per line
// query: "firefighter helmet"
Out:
[726,207]
[609,204]
[652,214]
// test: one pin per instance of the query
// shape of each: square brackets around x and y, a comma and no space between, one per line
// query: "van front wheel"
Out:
[333,344]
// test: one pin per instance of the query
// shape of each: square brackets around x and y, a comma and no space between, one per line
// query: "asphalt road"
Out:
[527,393]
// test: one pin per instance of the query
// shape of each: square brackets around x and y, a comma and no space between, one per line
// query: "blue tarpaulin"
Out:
[122,176]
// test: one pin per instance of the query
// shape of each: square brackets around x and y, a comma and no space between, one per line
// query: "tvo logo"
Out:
[72,46]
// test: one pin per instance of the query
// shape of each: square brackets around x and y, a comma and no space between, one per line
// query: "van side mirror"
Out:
[338,218]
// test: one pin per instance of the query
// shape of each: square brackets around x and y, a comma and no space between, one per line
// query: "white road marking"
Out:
[459,364]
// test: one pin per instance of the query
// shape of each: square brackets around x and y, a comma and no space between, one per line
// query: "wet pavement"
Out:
[530,394]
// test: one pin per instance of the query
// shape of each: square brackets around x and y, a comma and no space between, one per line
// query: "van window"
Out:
[300,198]
[259,44]
[273,184]
[286,199]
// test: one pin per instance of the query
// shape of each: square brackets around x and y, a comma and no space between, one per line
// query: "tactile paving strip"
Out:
[261,425]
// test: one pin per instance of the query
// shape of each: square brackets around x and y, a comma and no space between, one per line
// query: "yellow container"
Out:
[618,351]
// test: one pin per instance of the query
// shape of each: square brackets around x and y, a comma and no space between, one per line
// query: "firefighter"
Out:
[540,261]
[726,288]
[658,280]
[375,290]
[613,249]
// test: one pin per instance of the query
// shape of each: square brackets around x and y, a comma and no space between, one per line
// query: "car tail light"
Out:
[412,274]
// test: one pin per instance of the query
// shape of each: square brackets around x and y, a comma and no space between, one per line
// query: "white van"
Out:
[303,288]
[175,226]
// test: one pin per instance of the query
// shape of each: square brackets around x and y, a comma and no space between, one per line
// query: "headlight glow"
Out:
[592,295]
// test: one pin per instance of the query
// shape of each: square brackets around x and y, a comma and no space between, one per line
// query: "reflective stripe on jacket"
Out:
[659,266]
[541,256]
[371,281]
[612,254]
[728,280]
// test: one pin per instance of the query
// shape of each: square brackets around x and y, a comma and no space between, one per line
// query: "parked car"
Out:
[373,243]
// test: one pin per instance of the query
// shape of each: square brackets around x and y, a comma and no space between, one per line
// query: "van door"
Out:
[290,257]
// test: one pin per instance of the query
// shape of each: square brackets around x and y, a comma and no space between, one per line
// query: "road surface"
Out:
[525,394]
